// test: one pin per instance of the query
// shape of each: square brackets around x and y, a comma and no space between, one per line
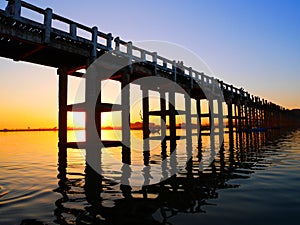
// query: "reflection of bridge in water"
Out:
[91,198]
[25,39]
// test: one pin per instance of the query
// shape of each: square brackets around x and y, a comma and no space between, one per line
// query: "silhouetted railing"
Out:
[124,48]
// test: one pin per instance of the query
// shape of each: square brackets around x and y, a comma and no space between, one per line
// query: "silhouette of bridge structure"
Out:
[40,42]
[23,38]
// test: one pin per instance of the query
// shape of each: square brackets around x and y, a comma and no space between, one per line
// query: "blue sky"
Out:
[251,44]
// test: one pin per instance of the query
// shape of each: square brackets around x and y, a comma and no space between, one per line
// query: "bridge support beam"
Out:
[250,117]
[92,122]
[62,104]
[199,144]
[211,114]
[172,120]
[125,85]
[230,120]
[146,131]
[163,123]
[246,123]
[239,116]
[220,123]
[98,116]
[188,134]
[230,123]
[188,116]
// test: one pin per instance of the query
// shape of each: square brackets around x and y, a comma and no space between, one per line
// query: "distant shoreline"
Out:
[133,126]
[70,129]
[37,129]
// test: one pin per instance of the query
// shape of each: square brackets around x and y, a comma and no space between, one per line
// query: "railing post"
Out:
[109,40]
[165,63]
[143,55]
[94,40]
[129,49]
[129,53]
[154,59]
[117,44]
[73,30]
[191,76]
[174,70]
[202,77]
[13,8]
[47,24]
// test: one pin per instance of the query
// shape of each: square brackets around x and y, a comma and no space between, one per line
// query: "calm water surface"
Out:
[254,181]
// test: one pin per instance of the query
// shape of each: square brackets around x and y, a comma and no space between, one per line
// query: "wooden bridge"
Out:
[25,39]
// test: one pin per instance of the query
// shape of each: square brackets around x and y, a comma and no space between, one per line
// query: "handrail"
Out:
[129,49]
[15,11]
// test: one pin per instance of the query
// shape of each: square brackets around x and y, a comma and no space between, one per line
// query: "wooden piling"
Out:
[92,121]
[126,155]
[246,115]
[98,116]
[230,119]
[145,96]
[172,120]
[188,128]
[199,141]
[211,115]
[163,120]
[235,117]
[250,125]
[62,105]
[239,116]
[146,131]
[220,122]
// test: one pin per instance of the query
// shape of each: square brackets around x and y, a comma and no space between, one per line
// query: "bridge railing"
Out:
[98,40]
[136,54]
[103,41]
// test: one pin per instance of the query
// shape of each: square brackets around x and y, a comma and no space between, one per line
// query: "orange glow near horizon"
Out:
[29,98]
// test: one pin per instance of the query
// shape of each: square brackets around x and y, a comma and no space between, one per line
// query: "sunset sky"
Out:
[250,44]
